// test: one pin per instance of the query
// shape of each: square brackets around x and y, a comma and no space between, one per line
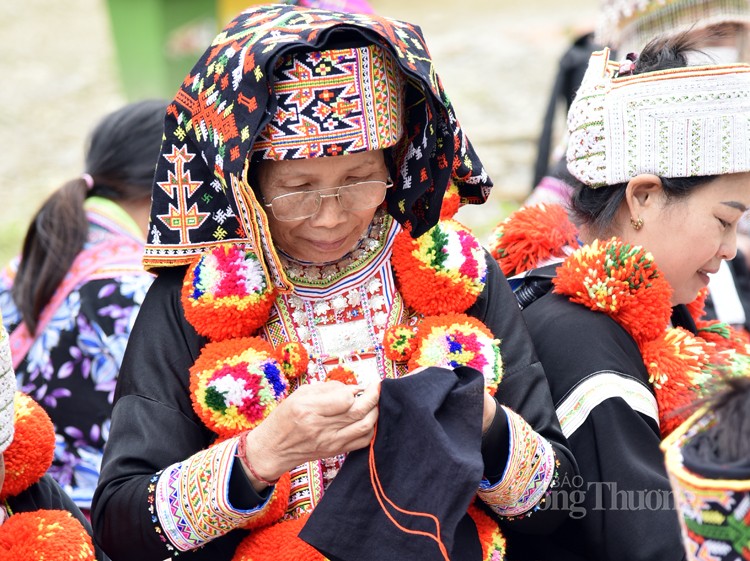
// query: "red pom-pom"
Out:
[275,542]
[343,375]
[697,307]
[293,359]
[52,535]
[675,366]
[399,342]
[451,202]
[531,235]
[277,504]
[30,454]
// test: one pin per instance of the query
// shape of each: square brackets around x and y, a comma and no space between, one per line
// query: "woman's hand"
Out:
[490,409]
[316,421]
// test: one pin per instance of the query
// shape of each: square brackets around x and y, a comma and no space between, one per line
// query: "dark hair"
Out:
[121,156]
[728,440]
[597,208]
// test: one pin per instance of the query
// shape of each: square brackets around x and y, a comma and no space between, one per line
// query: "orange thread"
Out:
[378,489]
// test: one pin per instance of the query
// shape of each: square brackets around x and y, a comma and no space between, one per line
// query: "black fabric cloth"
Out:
[435,414]
[616,447]
[46,494]
[154,426]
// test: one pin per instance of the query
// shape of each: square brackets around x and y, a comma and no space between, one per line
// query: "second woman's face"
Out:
[333,231]
[689,238]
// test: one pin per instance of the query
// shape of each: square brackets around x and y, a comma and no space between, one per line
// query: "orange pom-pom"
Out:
[451,202]
[490,536]
[277,504]
[399,342]
[530,236]
[30,454]
[343,375]
[293,359]
[278,541]
[697,307]
[226,294]
[52,535]
[620,280]
[675,364]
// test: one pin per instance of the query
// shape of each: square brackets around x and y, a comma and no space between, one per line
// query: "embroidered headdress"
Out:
[7,391]
[629,24]
[247,94]
[712,496]
[682,122]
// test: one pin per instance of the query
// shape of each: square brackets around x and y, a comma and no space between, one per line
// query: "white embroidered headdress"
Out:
[7,391]
[682,122]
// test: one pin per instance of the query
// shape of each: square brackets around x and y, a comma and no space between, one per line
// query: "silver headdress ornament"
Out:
[682,122]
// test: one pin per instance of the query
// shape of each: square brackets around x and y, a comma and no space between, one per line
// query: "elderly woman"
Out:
[301,182]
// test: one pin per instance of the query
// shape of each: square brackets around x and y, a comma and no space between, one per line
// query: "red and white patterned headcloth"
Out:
[333,102]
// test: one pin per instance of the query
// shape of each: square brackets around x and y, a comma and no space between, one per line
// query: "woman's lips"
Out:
[328,246]
[704,275]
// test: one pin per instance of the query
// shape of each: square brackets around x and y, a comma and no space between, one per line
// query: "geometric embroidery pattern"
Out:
[528,474]
[333,102]
[191,498]
[227,102]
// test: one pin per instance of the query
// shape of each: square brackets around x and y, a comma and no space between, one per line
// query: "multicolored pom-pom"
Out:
[531,235]
[226,294]
[30,454]
[235,384]
[457,340]
[400,342]
[490,535]
[443,271]
[293,358]
[52,535]
[343,375]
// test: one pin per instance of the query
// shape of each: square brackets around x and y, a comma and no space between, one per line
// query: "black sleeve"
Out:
[154,426]
[622,506]
[523,389]
[46,494]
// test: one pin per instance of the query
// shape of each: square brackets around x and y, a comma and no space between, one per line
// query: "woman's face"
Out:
[689,237]
[333,231]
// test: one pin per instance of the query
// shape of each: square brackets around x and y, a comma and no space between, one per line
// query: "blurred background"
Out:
[65,64]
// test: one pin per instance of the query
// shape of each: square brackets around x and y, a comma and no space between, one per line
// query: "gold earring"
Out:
[637,224]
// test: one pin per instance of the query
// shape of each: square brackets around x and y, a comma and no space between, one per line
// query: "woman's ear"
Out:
[643,194]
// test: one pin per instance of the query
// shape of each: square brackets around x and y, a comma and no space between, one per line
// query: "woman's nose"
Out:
[330,213]
[728,248]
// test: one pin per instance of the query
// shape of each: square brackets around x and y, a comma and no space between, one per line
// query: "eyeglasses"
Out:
[304,204]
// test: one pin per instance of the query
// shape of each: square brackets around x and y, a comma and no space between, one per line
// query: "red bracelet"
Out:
[245,461]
